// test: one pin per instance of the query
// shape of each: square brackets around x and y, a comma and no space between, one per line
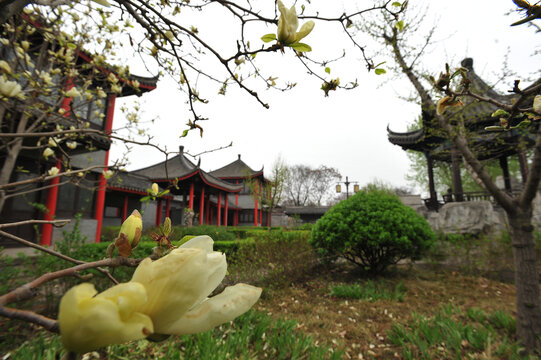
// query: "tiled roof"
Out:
[236,169]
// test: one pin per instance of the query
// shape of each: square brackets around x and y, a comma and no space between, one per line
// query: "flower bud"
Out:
[132,227]
[48,152]
[537,104]
[154,189]
[53,171]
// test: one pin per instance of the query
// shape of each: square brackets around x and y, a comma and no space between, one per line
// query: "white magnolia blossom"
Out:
[4,65]
[48,152]
[10,89]
[53,171]
[88,321]
[108,174]
[537,104]
[71,144]
[165,296]
[73,92]
[288,24]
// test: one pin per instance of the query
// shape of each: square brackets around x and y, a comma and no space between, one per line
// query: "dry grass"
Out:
[360,326]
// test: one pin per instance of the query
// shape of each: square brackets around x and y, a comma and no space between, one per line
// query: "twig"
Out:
[28,290]
[56,223]
[31,317]
[54,253]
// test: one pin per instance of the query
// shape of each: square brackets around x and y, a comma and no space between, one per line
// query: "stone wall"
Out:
[472,217]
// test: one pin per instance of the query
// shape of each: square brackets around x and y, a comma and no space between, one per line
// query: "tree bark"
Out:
[526,280]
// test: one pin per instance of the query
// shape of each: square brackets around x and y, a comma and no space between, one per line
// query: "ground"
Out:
[359,326]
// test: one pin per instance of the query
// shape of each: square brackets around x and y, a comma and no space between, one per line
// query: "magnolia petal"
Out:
[89,322]
[306,28]
[537,104]
[232,302]
[203,242]
[175,283]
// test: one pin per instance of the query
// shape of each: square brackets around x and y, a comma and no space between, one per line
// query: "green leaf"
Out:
[396,3]
[399,25]
[499,112]
[328,70]
[185,133]
[71,46]
[523,124]
[380,71]
[301,47]
[268,38]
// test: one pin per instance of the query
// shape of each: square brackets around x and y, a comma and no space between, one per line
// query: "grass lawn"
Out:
[411,313]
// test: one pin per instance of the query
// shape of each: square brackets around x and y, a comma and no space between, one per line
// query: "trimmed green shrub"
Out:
[372,229]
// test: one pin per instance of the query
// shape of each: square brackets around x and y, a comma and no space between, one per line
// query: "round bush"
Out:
[372,229]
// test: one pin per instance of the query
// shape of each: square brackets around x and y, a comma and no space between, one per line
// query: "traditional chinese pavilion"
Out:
[434,143]
[250,210]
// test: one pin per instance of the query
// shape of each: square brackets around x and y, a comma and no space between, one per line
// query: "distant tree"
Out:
[305,185]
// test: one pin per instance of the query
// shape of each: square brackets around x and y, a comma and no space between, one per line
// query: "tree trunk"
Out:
[526,280]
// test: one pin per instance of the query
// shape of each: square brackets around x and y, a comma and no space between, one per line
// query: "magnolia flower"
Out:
[116,88]
[108,173]
[537,104]
[88,322]
[178,285]
[48,152]
[166,296]
[11,89]
[154,189]
[71,144]
[101,94]
[132,228]
[53,171]
[53,142]
[73,92]
[288,24]
[4,65]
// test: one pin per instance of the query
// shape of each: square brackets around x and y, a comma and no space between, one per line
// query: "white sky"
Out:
[346,130]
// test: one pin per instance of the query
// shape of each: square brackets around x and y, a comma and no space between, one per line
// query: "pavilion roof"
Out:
[238,169]
[476,116]
[179,167]
[129,182]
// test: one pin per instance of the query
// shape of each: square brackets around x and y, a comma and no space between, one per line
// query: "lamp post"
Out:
[347,182]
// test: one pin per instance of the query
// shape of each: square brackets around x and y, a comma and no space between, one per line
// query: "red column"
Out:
[219,215]
[100,194]
[207,210]
[236,219]
[158,212]
[226,206]
[52,195]
[202,206]
[255,202]
[191,196]
[167,207]
[125,208]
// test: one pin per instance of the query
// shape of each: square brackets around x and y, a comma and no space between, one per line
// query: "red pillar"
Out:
[207,210]
[158,212]
[202,206]
[52,195]
[219,215]
[125,208]
[191,197]
[236,218]
[100,194]
[226,206]
[255,202]
[167,207]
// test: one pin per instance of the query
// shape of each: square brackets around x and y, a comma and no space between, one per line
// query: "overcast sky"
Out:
[346,130]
